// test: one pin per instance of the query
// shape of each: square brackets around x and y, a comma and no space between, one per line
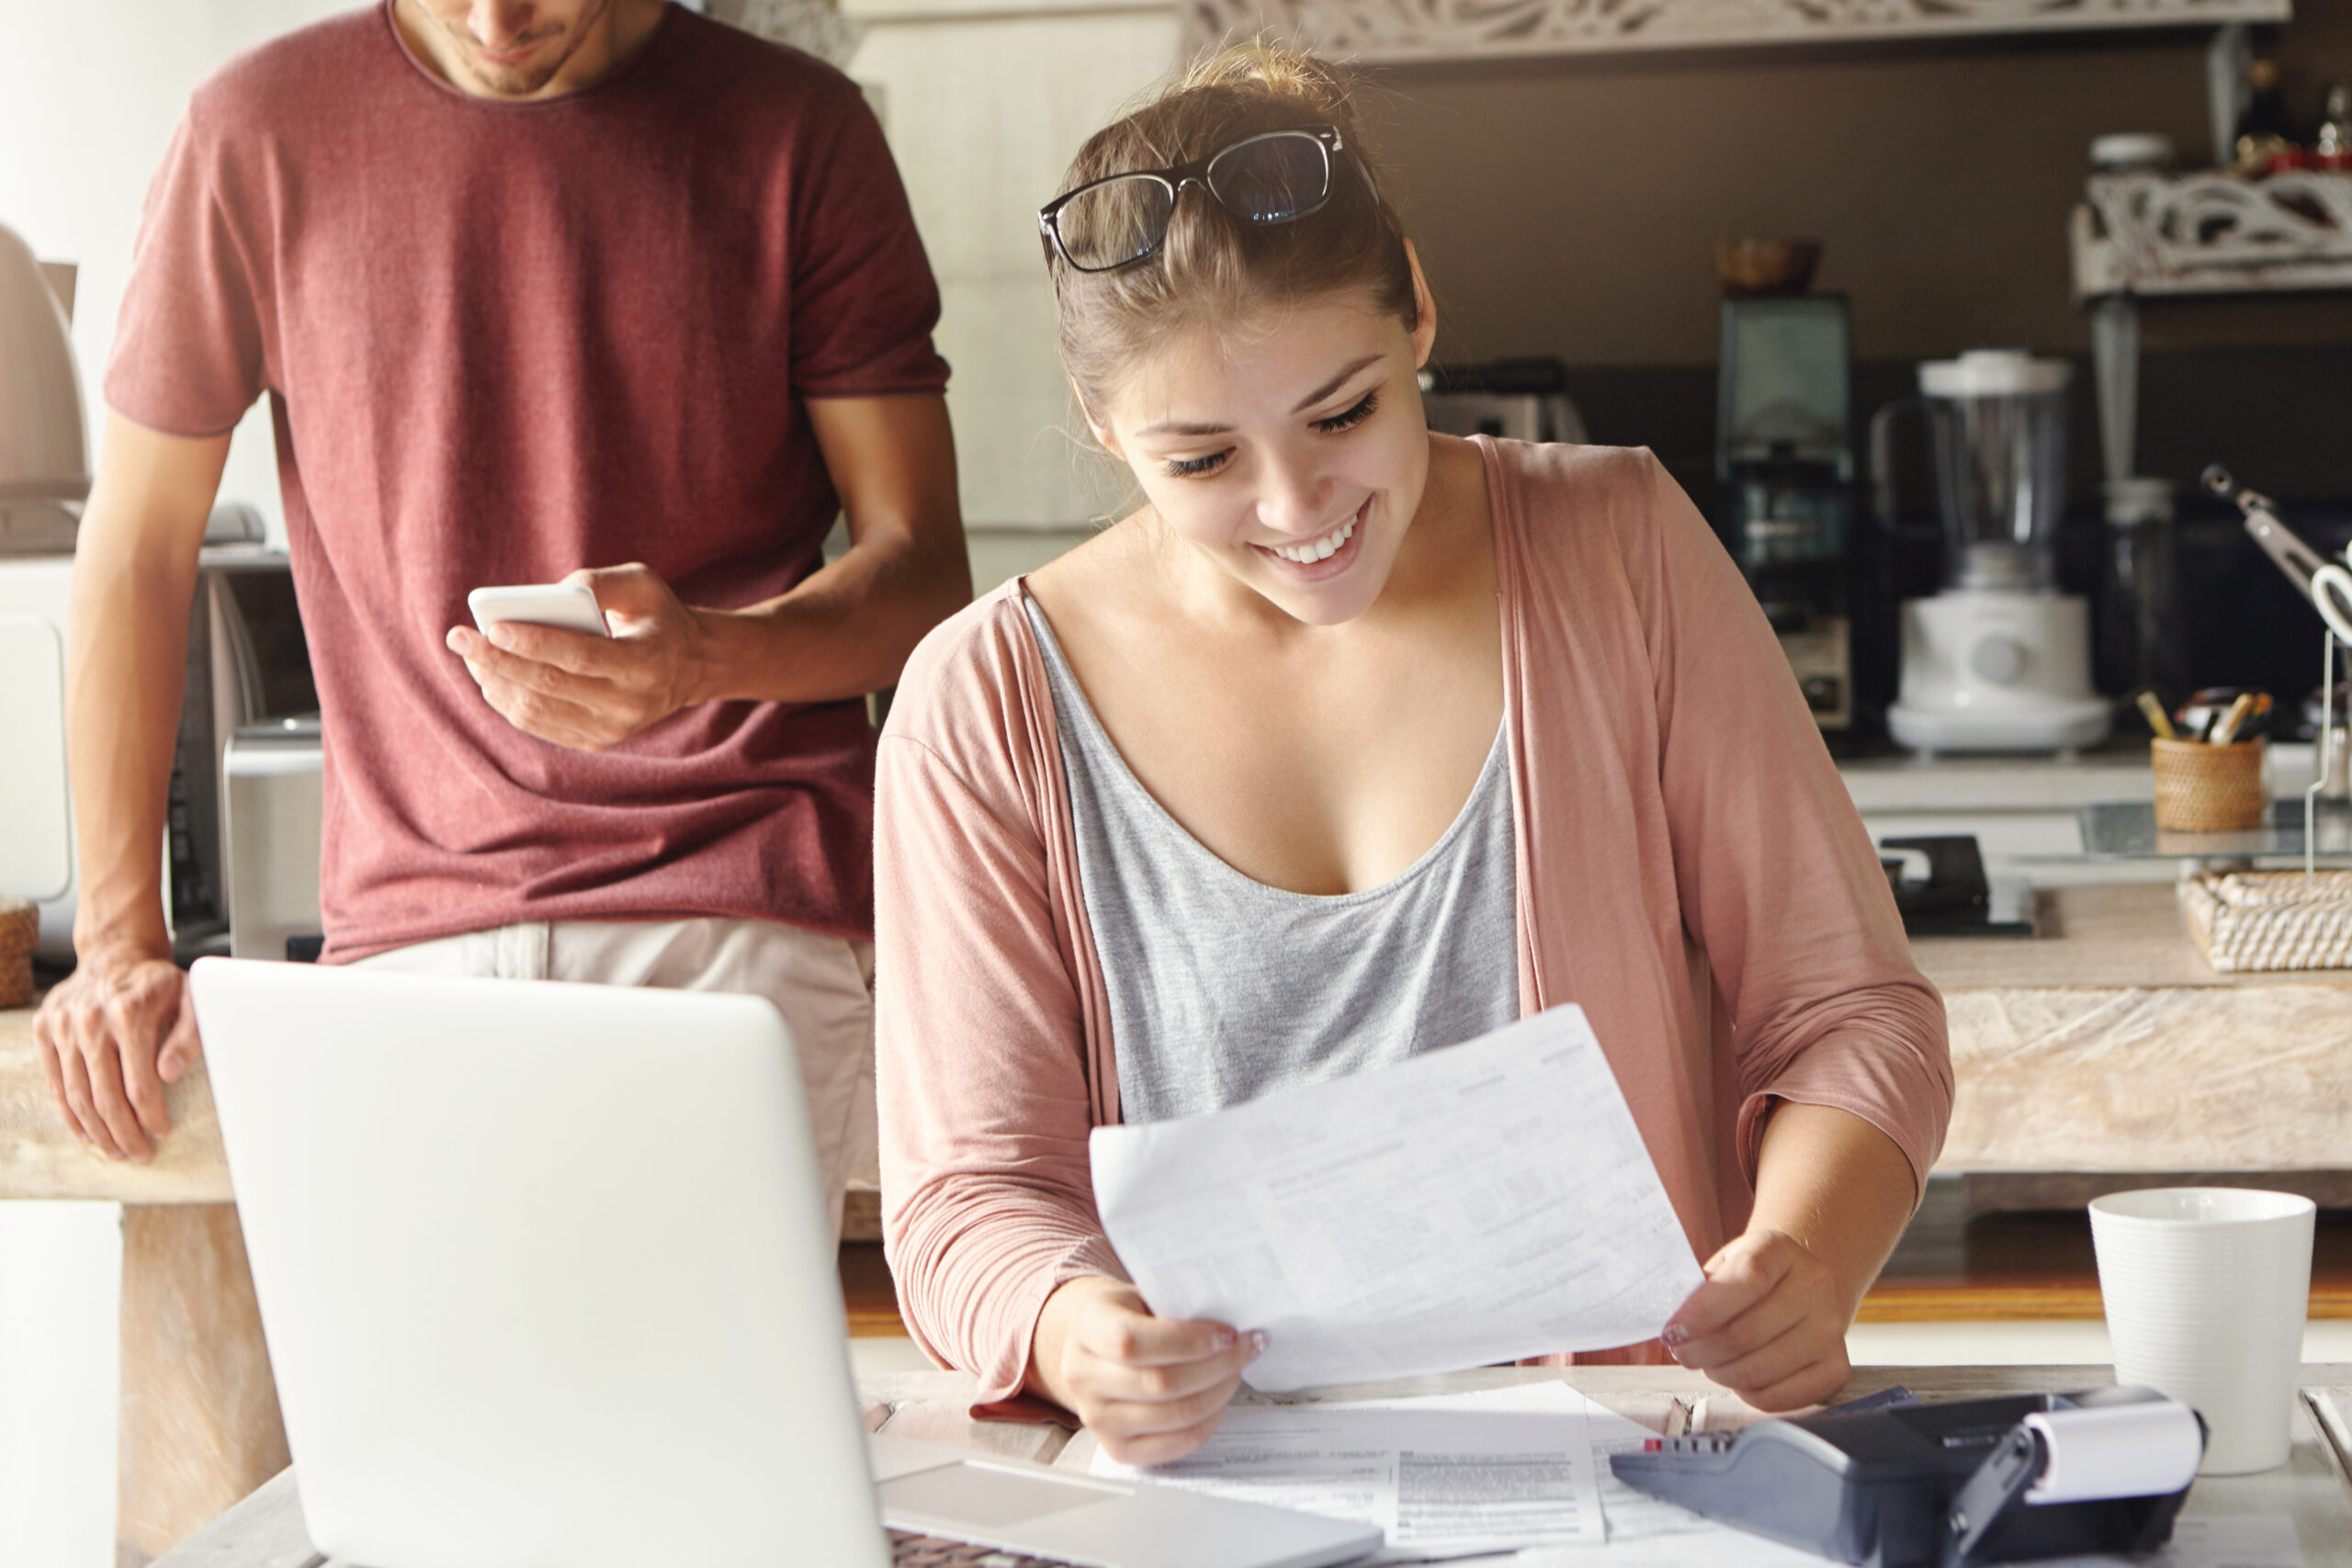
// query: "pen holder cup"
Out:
[2207,789]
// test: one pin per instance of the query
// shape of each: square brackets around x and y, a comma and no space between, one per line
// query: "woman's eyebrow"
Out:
[1335,383]
[1177,427]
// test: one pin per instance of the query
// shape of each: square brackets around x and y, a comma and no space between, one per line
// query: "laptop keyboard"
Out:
[909,1550]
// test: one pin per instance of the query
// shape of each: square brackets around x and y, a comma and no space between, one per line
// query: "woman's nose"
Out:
[1291,500]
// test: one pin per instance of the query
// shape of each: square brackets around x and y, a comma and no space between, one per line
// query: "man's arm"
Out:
[120,1025]
[845,631]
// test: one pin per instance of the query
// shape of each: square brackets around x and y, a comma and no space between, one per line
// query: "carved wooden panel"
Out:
[2211,233]
[1404,30]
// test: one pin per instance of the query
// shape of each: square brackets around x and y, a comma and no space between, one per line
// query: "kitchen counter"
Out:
[2021,811]
[2118,771]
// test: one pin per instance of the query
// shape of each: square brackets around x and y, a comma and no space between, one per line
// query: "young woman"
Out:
[1355,740]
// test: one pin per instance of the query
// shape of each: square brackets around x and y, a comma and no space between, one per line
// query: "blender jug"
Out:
[1997,421]
[1998,661]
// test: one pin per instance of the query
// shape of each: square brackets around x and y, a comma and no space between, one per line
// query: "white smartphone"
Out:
[567,606]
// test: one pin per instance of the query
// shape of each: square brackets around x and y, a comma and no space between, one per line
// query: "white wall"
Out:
[985,101]
[89,92]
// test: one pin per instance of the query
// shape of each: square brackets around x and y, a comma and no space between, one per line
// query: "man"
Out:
[536,288]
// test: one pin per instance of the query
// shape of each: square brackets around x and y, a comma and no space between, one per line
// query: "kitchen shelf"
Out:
[2127,830]
[2211,232]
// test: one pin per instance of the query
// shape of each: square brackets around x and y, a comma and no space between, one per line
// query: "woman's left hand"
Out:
[1770,1324]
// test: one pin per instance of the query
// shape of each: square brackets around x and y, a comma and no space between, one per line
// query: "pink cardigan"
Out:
[1689,870]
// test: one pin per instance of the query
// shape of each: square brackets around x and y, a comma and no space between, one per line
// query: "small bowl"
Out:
[1746,267]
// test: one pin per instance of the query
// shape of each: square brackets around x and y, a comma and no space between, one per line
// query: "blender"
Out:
[1997,660]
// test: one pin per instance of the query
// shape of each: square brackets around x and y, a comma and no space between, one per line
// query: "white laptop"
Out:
[546,1280]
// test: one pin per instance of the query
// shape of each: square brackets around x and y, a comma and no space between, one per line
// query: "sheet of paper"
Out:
[1477,1204]
[1630,1514]
[1440,1478]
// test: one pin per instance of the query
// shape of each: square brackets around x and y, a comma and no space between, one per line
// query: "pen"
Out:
[2158,720]
[2226,730]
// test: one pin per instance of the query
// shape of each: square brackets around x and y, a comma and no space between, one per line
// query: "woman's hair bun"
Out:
[1281,71]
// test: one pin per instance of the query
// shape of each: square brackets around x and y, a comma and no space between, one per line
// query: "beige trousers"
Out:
[822,985]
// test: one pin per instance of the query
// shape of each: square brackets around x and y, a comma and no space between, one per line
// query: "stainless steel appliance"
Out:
[271,803]
[1783,454]
[246,657]
[1999,659]
[247,664]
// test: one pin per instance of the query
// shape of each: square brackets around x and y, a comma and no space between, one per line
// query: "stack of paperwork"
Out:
[1520,1475]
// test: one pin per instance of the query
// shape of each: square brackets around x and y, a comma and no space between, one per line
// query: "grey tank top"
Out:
[1223,988]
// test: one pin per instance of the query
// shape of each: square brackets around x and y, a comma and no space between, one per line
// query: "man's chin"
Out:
[509,82]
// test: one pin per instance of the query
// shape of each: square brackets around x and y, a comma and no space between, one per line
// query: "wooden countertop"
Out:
[2119,934]
[2076,1050]
[39,1158]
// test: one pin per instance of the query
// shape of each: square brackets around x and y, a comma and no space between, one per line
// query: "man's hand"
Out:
[1770,1324]
[117,1029]
[588,693]
[1149,1389]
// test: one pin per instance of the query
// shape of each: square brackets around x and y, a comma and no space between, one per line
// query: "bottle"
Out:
[2332,148]
[2264,131]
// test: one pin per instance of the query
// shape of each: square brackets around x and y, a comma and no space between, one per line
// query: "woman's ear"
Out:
[1425,306]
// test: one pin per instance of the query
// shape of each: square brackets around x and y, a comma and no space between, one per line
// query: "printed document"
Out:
[1481,1203]
[1440,1478]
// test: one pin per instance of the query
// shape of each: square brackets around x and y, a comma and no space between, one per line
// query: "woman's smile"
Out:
[1323,557]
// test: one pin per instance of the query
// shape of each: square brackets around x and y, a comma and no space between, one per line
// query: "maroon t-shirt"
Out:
[503,340]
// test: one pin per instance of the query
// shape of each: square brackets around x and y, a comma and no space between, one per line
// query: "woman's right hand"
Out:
[1149,1389]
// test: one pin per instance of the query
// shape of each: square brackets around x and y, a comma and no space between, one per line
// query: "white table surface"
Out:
[2314,1486]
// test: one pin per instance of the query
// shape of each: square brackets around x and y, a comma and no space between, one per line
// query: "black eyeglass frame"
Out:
[1173,181]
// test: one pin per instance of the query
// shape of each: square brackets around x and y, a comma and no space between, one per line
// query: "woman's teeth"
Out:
[1323,548]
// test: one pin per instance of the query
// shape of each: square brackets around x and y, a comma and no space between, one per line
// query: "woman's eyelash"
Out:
[1351,417]
[1347,419]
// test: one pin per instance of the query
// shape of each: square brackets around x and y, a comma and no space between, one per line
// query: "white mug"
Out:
[2206,1291]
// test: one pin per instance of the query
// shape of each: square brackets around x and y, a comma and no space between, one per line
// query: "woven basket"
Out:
[20,932]
[2250,921]
[2207,789]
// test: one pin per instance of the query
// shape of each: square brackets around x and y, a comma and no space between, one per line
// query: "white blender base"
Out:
[2064,726]
[1997,669]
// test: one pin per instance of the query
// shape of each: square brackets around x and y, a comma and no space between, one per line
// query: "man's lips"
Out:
[507,57]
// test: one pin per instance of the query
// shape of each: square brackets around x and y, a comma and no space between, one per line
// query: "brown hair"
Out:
[1215,267]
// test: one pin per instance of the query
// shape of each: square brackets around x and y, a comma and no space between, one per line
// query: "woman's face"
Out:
[1289,450]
